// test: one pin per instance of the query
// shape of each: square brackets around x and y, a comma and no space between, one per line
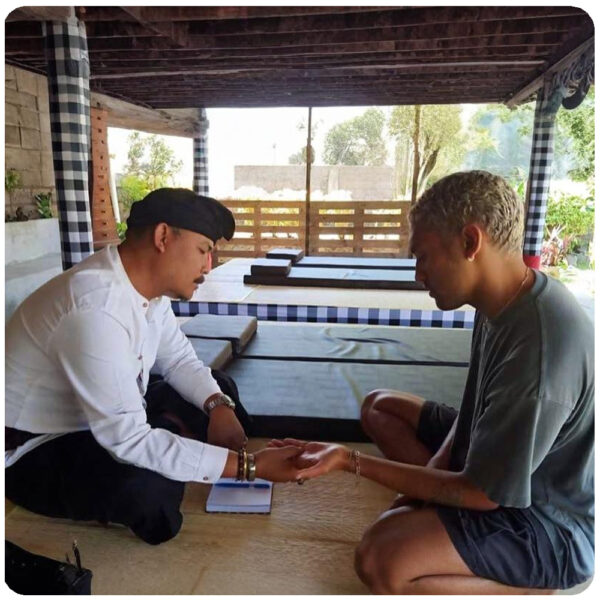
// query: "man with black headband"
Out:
[88,437]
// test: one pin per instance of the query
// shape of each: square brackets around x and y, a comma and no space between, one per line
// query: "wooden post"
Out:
[308,163]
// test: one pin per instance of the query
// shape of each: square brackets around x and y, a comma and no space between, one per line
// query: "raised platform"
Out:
[224,292]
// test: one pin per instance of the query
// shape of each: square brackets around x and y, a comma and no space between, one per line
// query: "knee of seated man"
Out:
[368,402]
[157,517]
[373,566]
[149,492]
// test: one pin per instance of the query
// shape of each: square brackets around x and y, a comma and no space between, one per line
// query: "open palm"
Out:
[317,458]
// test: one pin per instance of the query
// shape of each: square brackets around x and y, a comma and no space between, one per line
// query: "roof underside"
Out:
[182,57]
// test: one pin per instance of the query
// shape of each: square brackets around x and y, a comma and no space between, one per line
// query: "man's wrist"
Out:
[216,400]
[345,459]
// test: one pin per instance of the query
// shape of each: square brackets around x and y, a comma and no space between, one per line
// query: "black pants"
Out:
[74,477]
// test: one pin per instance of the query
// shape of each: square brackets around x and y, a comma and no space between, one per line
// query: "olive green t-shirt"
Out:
[525,431]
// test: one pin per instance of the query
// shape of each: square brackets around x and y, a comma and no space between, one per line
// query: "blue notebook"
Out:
[231,496]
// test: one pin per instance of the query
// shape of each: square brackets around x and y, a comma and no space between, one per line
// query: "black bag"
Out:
[29,574]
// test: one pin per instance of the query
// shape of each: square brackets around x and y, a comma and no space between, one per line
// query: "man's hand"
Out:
[277,463]
[316,458]
[224,429]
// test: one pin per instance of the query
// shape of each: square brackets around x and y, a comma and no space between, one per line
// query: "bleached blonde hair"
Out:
[473,197]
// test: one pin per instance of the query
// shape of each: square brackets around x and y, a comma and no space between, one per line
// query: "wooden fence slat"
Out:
[356,222]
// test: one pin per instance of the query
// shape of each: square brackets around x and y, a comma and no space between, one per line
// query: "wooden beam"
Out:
[176,32]
[526,91]
[126,115]
[307,73]
[41,13]
[386,17]
[217,13]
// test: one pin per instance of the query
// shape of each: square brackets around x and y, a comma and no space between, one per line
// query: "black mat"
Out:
[300,395]
[357,262]
[341,278]
[215,354]
[293,254]
[366,344]
[271,266]
[234,328]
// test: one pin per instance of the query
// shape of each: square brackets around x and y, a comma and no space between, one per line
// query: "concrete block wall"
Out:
[364,183]
[28,143]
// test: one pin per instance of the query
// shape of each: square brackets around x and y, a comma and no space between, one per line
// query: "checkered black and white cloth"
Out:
[201,156]
[455,319]
[69,95]
[540,170]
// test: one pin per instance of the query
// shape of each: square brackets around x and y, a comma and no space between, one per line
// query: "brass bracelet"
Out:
[251,468]
[245,465]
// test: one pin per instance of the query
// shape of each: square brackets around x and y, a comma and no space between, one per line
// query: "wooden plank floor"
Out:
[305,546]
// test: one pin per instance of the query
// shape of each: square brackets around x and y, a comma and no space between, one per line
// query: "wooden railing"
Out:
[348,228]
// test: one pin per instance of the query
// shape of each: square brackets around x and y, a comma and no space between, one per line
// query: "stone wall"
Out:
[364,183]
[28,144]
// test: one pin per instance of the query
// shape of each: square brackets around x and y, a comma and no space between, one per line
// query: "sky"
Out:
[250,136]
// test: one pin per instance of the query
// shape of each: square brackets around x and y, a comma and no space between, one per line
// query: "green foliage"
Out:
[500,140]
[578,126]
[131,189]
[12,180]
[151,164]
[574,215]
[121,230]
[43,203]
[441,145]
[358,141]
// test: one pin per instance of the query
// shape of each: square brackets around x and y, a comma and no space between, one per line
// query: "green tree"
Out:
[151,164]
[577,125]
[431,134]
[358,141]
[500,140]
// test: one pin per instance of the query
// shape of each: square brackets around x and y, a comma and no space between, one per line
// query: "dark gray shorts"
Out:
[509,545]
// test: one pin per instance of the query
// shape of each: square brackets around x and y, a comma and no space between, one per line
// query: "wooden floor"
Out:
[305,546]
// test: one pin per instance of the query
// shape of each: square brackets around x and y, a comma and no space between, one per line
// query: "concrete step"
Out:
[23,278]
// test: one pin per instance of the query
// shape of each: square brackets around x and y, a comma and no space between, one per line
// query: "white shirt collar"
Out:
[140,301]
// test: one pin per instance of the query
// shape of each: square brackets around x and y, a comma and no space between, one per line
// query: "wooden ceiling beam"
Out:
[175,32]
[160,47]
[396,34]
[218,13]
[41,13]
[460,47]
[308,74]
[115,65]
[556,63]
[387,17]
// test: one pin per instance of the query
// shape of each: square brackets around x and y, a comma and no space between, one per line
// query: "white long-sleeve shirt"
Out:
[78,356]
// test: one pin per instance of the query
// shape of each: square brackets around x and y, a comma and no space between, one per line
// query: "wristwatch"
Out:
[218,400]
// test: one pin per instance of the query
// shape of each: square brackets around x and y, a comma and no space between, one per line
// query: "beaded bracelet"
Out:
[355,458]
[242,461]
